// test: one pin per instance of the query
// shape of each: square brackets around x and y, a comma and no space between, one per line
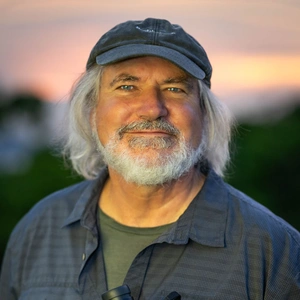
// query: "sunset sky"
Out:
[254,46]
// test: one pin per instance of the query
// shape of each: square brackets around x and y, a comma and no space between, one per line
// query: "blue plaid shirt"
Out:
[224,246]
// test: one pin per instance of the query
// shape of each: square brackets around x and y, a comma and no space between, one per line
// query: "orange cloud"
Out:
[259,71]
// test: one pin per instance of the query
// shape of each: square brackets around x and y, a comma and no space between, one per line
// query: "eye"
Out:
[175,90]
[126,87]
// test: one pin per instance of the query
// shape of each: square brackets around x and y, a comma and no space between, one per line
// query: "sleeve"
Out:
[294,290]
[284,282]
[6,277]
[288,290]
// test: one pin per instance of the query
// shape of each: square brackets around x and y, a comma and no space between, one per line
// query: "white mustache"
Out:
[150,125]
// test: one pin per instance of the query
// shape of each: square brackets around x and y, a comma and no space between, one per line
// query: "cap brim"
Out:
[136,50]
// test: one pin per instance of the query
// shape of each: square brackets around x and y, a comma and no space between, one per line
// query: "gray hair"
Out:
[79,145]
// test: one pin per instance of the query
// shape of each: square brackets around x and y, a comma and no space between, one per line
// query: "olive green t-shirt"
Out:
[121,244]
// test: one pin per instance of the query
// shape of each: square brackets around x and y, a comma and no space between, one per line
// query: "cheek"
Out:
[103,117]
[110,116]
[189,121]
[195,129]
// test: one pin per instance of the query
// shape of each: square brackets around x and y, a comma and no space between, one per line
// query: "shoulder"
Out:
[263,235]
[243,211]
[269,244]
[254,215]
[50,211]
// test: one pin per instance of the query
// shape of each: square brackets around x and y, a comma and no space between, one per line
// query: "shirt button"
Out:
[83,256]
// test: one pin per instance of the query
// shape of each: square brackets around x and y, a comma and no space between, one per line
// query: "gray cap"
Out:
[152,37]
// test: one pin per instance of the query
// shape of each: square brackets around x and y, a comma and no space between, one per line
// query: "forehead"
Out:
[146,66]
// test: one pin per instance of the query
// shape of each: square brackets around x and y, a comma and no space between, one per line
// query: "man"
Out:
[158,216]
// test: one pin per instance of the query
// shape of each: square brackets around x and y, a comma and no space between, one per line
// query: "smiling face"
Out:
[149,108]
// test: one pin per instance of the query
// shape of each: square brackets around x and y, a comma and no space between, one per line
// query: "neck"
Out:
[149,206]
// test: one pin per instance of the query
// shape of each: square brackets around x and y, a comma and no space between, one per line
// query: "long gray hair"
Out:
[79,146]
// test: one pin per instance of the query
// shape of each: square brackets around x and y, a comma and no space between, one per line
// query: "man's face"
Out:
[149,109]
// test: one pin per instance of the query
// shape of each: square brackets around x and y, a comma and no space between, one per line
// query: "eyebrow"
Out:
[185,80]
[124,77]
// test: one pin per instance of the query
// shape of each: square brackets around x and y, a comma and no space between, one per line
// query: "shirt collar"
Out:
[85,209]
[204,221]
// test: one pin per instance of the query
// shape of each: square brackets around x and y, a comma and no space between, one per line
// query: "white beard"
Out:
[162,167]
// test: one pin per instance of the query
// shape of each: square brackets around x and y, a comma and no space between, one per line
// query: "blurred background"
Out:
[254,48]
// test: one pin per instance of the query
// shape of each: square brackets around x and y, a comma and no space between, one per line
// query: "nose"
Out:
[152,105]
